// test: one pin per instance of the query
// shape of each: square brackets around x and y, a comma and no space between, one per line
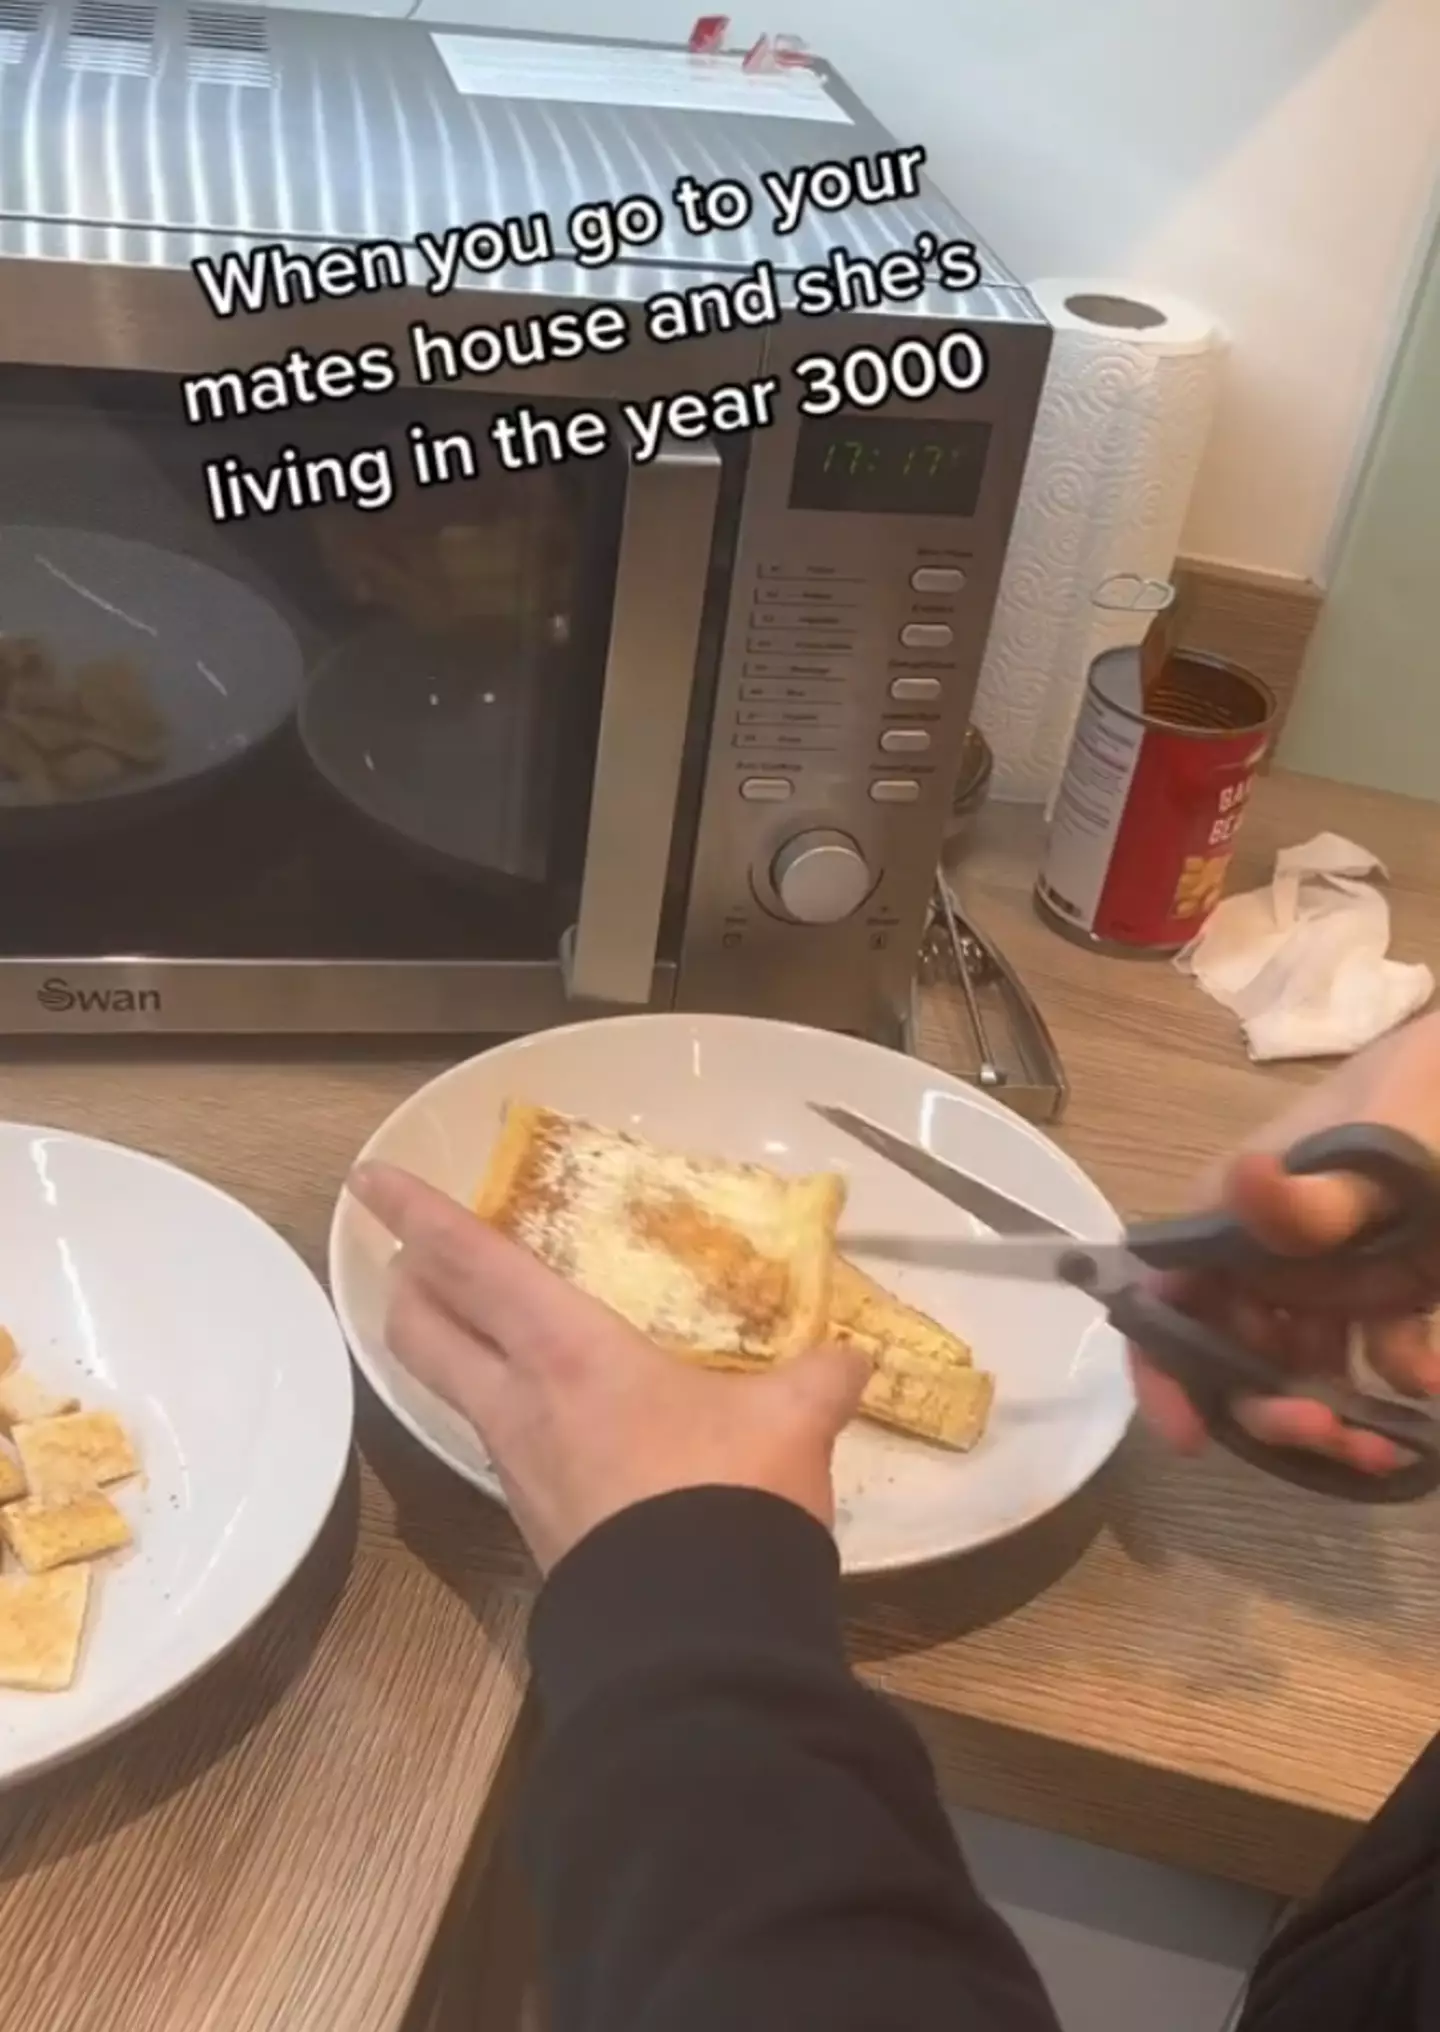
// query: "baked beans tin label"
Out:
[1152,802]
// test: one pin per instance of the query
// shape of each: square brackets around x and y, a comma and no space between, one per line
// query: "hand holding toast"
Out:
[582,1414]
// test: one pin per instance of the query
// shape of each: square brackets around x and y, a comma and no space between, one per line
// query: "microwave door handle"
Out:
[666,544]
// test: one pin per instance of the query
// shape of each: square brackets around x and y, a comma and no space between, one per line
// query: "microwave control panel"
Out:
[807,700]
[865,580]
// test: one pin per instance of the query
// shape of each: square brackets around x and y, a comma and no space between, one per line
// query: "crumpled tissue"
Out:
[1305,963]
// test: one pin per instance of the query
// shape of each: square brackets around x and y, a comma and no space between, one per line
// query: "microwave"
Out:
[404,627]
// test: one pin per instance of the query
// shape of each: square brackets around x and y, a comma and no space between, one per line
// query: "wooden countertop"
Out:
[1189,1662]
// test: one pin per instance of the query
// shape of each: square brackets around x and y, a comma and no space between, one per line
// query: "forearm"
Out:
[725,1829]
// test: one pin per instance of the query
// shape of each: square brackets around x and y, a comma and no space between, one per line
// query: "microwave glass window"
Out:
[868,465]
[334,732]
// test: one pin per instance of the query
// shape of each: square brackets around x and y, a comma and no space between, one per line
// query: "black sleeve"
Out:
[724,1831]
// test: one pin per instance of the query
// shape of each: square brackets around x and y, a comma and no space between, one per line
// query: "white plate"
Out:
[220,666]
[143,1291]
[734,1087]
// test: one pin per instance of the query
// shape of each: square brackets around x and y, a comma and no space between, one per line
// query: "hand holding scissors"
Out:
[1217,1370]
[1312,1313]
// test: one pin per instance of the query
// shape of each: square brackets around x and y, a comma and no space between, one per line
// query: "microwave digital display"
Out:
[890,465]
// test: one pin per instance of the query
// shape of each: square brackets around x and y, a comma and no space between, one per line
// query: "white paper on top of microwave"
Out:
[593,74]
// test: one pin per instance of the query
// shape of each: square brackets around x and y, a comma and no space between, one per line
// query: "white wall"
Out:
[1369,709]
[1274,159]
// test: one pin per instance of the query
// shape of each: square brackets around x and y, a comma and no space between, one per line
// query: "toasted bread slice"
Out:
[12,1478]
[23,1400]
[83,1528]
[925,1382]
[867,1316]
[42,1623]
[727,1264]
[9,1353]
[74,1455]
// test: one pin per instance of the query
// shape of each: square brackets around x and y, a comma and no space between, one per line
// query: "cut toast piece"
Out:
[925,1382]
[42,1622]
[9,1353]
[728,1264]
[12,1479]
[74,1454]
[69,1532]
[867,1316]
[23,1400]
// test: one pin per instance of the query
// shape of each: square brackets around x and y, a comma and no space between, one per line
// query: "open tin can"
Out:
[1161,769]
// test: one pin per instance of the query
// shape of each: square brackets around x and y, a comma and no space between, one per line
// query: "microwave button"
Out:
[783,646]
[793,568]
[895,791]
[824,714]
[935,578]
[915,690]
[906,741]
[772,692]
[767,790]
[797,647]
[824,739]
[801,619]
[798,694]
[796,667]
[822,596]
[821,878]
[927,635]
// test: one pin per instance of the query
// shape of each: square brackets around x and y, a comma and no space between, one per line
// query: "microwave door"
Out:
[666,544]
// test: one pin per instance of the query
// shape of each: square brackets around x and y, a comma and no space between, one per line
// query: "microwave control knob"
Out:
[821,878]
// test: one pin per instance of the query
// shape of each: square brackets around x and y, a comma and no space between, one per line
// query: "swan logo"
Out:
[59,997]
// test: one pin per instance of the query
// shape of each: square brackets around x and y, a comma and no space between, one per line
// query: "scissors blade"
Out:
[1097,1270]
[1006,1216]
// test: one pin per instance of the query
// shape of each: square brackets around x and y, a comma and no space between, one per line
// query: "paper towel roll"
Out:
[1124,420]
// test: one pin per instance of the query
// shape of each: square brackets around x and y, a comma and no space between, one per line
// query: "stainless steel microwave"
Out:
[365,663]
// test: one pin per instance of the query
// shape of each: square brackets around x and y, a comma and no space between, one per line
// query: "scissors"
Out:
[1214,1370]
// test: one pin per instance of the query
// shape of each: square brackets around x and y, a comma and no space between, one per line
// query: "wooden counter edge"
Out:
[482,1966]
[1140,1809]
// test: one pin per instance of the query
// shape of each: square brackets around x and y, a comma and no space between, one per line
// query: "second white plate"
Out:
[738,1088]
[145,1292]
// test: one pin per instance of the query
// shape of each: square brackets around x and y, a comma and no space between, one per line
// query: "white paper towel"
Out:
[1305,963]
[1124,421]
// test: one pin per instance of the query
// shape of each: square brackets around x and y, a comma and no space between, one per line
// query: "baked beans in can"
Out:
[1152,800]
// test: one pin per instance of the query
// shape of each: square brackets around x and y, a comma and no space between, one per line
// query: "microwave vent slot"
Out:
[229,46]
[112,35]
[19,20]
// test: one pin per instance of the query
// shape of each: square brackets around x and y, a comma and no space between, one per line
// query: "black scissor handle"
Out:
[1404,1169]
[1214,1371]
[1323,1476]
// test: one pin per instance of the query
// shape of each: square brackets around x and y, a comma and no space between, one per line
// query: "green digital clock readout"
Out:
[866,465]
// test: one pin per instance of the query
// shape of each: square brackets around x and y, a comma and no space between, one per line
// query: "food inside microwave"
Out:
[73,733]
[510,558]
